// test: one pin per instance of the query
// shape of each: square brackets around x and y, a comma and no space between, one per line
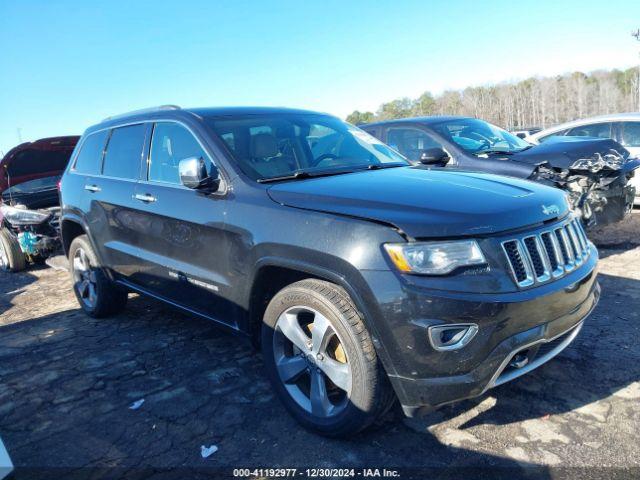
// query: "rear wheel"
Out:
[11,256]
[321,361]
[97,295]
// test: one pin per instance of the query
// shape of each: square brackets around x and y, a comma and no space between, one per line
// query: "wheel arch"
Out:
[288,271]
[70,228]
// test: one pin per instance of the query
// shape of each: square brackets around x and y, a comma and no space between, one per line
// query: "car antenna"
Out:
[6,172]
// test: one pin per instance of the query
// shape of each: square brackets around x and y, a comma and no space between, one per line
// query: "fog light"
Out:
[452,336]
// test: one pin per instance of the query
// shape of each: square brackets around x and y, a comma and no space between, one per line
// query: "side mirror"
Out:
[434,156]
[193,174]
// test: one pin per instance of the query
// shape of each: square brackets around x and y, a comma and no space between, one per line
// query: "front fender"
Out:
[350,279]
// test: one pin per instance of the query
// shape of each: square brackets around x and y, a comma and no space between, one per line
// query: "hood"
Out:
[562,152]
[46,157]
[426,203]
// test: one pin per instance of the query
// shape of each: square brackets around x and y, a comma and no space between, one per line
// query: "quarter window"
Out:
[410,142]
[124,152]
[630,134]
[171,143]
[90,156]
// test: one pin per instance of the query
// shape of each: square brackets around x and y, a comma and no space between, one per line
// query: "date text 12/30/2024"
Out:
[316,472]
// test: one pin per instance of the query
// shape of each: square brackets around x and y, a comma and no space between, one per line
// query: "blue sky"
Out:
[65,65]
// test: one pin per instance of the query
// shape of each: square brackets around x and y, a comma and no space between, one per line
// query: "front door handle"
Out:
[144,197]
[92,188]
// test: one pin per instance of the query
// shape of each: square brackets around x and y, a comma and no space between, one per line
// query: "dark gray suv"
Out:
[363,278]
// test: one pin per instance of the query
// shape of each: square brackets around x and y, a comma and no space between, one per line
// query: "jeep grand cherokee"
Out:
[365,279]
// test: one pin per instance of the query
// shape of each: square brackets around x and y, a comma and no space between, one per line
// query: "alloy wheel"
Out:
[311,361]
[84,277]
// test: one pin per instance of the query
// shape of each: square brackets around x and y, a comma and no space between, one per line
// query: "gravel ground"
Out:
[67,383]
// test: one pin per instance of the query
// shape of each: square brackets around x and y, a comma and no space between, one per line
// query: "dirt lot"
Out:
[67,382]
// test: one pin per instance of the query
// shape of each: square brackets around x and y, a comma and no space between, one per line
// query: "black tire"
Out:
[108,298]
[11,257]
[370,391]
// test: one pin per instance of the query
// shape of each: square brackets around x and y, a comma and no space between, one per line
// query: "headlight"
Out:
[19,216]
[434,258]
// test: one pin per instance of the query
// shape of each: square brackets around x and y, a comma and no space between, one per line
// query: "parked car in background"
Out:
[622,127]
[29,212]
[595,173]
[364,278]
[525,132]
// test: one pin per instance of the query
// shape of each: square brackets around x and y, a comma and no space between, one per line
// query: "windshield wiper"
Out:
[379,166]
[497,152]
[302,174]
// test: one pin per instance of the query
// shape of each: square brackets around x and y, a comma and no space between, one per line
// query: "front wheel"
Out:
[96,293]
[321,361]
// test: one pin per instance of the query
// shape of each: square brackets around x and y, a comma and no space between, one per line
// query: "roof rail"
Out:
[143,110]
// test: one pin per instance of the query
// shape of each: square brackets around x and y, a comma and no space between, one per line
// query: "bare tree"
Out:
[536,101]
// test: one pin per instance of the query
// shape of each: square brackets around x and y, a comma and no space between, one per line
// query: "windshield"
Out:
[479,137]
[280,145]
[33,186]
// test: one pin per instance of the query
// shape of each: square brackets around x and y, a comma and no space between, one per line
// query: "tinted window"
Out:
[410,141]
[599,130]
[274,145]
[124,151]
[171,143]
[90,156]
[631,134]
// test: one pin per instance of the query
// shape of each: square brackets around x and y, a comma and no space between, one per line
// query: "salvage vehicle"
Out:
[622,127]
[363,278]
[595,173]
[29,212]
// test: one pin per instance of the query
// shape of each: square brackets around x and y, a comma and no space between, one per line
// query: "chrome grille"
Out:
[548,254]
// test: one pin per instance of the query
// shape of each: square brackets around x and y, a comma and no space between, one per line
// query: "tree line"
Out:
[534,102]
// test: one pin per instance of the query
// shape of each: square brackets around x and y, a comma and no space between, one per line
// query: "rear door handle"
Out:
[92,188]
[144,197]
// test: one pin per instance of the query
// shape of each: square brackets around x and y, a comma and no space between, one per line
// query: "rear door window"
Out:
[630,134]
[598,130]
[124,152]
[171,143]
[89,159]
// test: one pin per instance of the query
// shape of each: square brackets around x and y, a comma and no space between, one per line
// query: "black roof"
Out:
[172,111]
[232,111]
[424,120]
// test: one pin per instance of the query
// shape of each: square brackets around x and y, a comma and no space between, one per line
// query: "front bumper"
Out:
[37,240]
[534,324]
[611,205]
